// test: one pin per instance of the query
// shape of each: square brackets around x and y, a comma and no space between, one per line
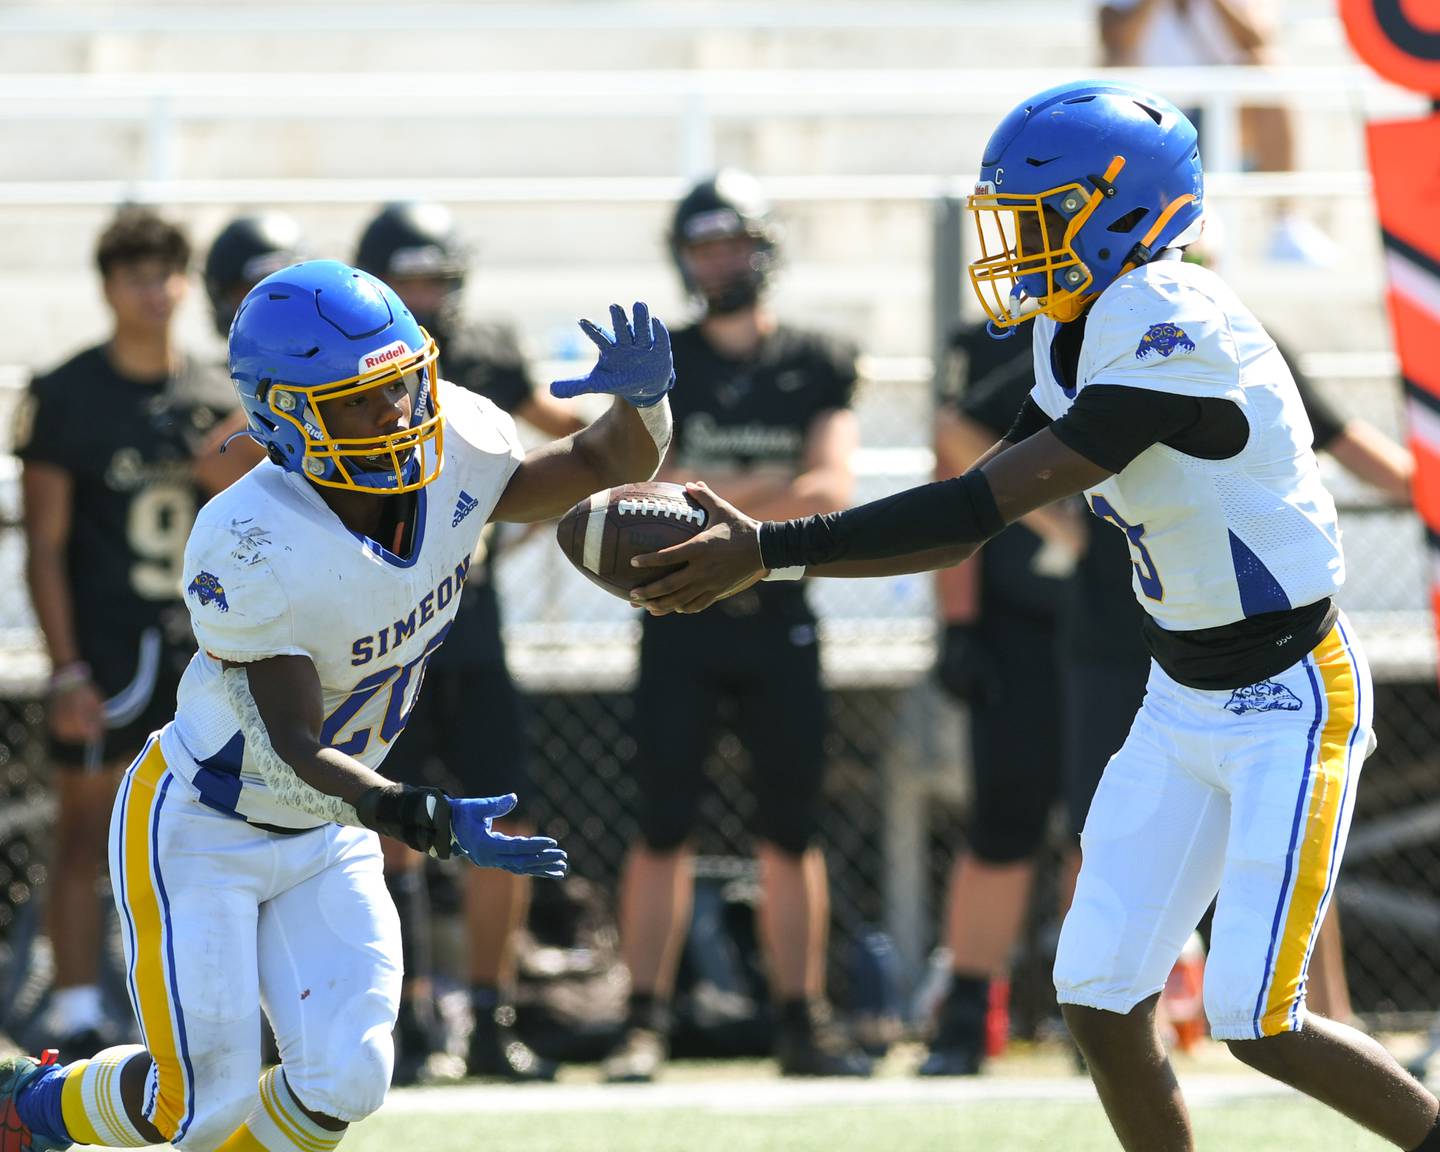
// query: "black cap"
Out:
[413,239]
[247,250]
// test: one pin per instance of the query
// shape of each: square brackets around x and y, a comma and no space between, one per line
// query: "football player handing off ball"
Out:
[1160,397]
[242,855]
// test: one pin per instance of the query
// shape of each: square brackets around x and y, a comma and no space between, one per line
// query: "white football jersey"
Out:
[270,570]
[1212,541]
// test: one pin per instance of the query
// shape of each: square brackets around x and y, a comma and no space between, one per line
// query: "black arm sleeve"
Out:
[1029,420]
[1110,425]
[957,511]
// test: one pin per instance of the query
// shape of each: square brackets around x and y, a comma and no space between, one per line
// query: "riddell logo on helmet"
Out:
[382,356]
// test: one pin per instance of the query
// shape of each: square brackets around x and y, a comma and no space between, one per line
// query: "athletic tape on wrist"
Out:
[659,424]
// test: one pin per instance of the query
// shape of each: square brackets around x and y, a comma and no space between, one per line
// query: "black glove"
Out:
[419,817]
[963,666]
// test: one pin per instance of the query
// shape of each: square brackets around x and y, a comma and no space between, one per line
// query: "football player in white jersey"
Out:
[243,852]
[1160,397]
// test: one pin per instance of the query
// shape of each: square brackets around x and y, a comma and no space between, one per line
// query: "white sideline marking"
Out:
[774,1095]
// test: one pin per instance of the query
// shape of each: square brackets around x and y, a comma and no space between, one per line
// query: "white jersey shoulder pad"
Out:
[239,607]
[1165,327]
[478,423]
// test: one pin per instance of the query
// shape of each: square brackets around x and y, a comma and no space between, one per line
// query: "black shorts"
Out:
[759,654]
[466,734]
[138,677]
[1015,738]
[1101,699]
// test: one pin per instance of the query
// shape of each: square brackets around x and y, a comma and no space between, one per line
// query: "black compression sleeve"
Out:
[940,515]
[1029,420]
[1110,425]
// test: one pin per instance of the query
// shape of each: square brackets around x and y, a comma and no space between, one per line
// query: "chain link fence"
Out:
[896,797]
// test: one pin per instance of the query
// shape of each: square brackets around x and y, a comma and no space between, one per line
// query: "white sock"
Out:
[91,1104]
[277,1123]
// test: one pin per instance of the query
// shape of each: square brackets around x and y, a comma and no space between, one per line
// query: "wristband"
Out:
[789,572]
[418,817]
[69,676]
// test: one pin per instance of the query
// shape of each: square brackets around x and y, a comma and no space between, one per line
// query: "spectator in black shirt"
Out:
[119,446]
[467,733]
[997,655]
[762,413]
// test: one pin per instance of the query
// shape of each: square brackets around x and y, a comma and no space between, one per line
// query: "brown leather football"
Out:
[602,532]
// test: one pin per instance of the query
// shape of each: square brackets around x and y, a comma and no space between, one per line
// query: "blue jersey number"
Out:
[1144,566]
[397,677]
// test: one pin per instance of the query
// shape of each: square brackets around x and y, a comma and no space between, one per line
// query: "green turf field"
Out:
[1267,1125]
[1032,1099]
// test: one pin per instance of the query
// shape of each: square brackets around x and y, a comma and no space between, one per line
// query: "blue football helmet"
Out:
[1078,185]
[321,331]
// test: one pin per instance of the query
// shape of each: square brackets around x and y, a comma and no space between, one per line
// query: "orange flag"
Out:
[1400,39]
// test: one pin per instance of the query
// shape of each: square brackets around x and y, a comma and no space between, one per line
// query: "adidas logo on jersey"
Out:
[463,507]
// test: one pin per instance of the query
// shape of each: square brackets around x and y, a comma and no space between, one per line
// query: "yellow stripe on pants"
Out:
[1311,880]
[150,979]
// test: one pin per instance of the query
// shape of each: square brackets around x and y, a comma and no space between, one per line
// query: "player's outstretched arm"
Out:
[626,444]
[280,706]
[919,530]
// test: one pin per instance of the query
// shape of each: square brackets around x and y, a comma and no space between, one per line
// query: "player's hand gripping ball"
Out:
[602,532]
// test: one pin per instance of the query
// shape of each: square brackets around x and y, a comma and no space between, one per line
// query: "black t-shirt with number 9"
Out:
[127,445]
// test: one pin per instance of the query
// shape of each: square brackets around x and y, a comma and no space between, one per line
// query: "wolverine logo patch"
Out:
[209,590]
[1266,696]
[1164,339]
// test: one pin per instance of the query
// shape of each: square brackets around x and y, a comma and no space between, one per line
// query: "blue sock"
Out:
[38,1106]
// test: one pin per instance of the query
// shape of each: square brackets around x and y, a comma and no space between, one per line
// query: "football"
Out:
[602,532]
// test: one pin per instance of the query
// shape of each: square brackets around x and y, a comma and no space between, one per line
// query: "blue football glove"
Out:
[634,364]
[526,855]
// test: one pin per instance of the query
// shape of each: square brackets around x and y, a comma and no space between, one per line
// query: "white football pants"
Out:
[1245,794]
[220,917]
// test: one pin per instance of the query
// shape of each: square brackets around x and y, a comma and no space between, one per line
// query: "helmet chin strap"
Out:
[382,477]
[1072,308]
